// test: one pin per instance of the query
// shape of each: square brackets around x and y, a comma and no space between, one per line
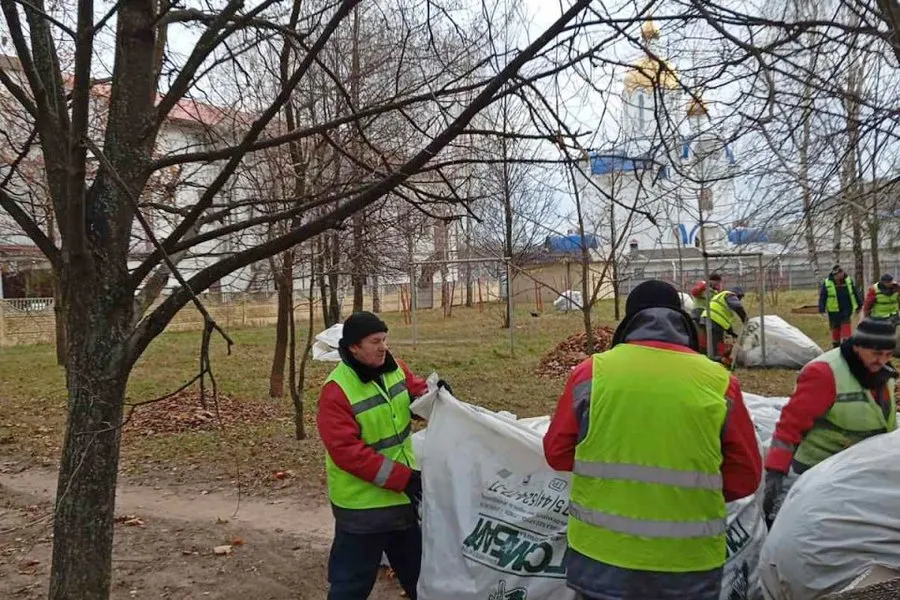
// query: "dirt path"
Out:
[279,548]
[284,515]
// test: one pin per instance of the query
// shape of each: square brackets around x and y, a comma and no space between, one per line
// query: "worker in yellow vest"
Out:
[374,483]
[726,309]
[698,294]
[658,439]
[840,299]
[841,398]
[883,300]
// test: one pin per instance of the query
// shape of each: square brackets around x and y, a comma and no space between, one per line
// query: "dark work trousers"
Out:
[355,559]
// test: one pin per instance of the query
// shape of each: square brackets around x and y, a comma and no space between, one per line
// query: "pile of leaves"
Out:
[557,363]
[184,412]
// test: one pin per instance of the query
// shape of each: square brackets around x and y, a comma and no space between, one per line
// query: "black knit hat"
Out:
[654,294]
[887,278]
[875,334]
[359,325]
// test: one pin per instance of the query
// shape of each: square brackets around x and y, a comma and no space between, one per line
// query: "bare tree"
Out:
[95,215]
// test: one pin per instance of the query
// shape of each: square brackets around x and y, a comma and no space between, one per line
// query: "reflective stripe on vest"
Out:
[384,423]
[635,503]
[831,300]
[722,315]
[853,417]
[885,304]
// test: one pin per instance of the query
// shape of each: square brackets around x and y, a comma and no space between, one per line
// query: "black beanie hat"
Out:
[655,294]
[875,334]
[359,325]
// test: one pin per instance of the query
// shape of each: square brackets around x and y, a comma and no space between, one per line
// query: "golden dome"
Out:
[696,107]
[650,73]
[649,30]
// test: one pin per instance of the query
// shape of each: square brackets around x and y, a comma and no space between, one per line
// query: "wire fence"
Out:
[33,320]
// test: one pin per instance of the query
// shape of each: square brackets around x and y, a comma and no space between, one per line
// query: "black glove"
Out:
[774,489]
[413,489]
[443,384]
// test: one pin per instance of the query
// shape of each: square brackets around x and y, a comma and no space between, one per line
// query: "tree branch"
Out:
[890,14]
[31,229]
[260,124]
[155,323]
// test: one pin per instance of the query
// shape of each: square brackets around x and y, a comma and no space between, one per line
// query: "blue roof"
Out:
[740,237]
[603,164]
[571,243]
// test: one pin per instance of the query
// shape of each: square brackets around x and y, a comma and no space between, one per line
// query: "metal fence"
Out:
[778,277]
[33,320]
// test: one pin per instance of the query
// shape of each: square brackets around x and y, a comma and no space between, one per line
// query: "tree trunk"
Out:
[615,267]
[470,296]
[859,262]
[508,232]
[376,295]
[96,379]
[804,157]
[876,256]
[59,311]
[334,304]
[357,276]
[284,280]
[298,376]
[331,305]
[838,237]
[358,264]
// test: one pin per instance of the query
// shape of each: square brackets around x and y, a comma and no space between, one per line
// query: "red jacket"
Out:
[869,302]
[742,465]
[812,398]
[699,289]
[341,436]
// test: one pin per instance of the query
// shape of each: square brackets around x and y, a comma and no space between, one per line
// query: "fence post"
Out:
[2,323]
[243,311]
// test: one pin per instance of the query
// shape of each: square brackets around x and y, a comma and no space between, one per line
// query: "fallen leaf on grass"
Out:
[222,550]
[130,520]
[237,541]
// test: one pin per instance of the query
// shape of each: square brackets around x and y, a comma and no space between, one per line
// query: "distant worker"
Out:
[841,398]
[726,309]
[840,298]
[883,300]
[374,484]
[698,293]
[658,439]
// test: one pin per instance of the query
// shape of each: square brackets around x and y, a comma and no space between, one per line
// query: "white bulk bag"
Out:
[568,300]
[495,514]
[786,346]
[325,348]
[839,519]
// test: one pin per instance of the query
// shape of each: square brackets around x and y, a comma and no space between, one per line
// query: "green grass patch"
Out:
[469,349]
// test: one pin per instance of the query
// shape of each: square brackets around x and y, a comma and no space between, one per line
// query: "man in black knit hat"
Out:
[374,483]
[841,398]
[658,439]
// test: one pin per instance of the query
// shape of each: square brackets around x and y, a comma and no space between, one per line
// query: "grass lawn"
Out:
[469,349]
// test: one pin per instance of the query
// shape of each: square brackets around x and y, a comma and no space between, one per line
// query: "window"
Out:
[640,110]
[633,245]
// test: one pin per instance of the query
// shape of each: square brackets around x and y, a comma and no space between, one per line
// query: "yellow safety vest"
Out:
[647,484]
[384,423]
[853,417]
